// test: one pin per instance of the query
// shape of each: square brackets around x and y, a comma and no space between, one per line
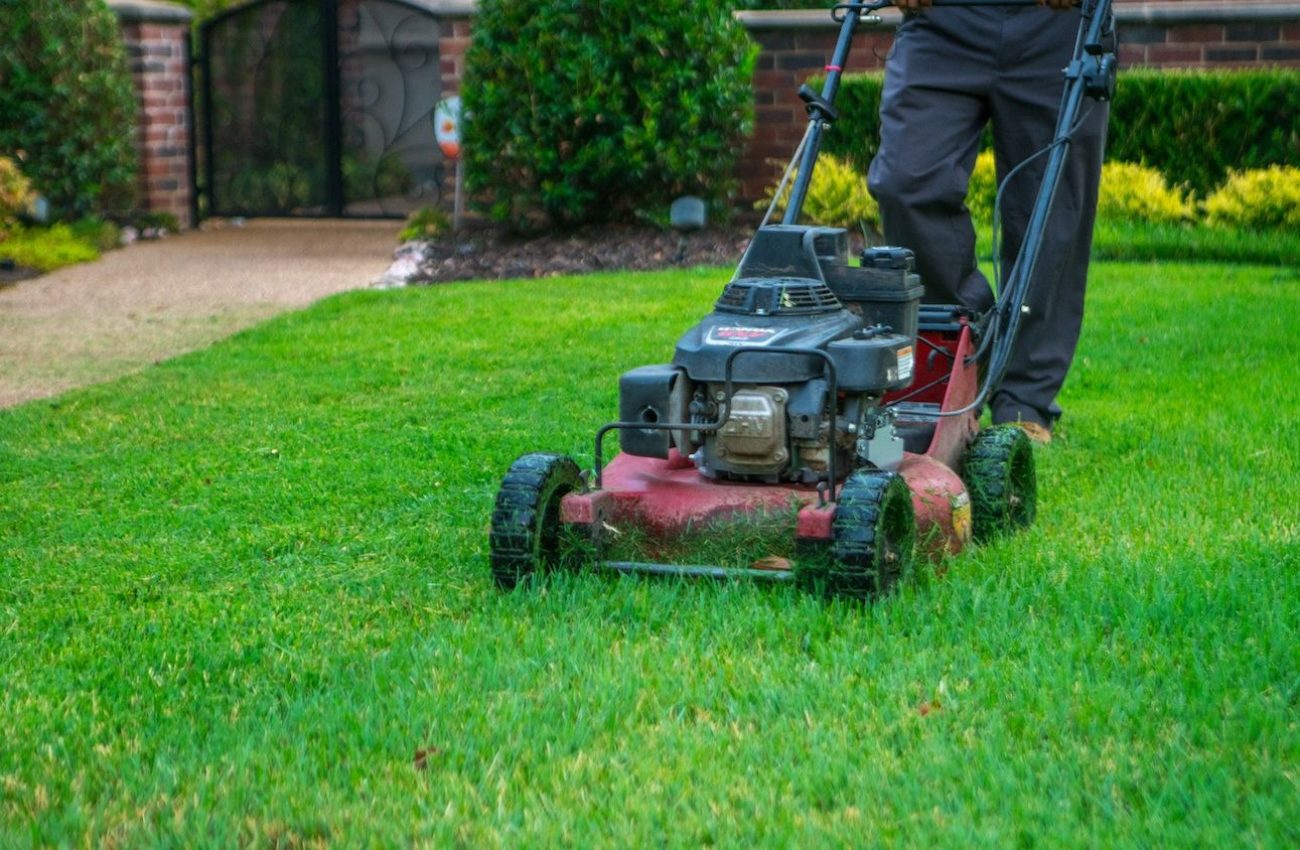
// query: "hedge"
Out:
[1191,125]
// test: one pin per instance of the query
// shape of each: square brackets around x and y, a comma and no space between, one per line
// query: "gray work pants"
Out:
[950,72]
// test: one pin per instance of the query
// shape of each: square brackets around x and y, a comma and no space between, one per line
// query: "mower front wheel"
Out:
[873,537]
[525,534]
[999,474]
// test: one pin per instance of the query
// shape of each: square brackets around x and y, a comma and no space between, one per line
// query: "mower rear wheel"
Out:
[873,537]
[525,534]
[999,474]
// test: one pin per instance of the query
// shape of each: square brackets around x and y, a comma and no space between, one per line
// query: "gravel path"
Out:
[154,300]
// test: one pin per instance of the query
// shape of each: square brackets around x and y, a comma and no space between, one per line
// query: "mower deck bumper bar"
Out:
[695,571]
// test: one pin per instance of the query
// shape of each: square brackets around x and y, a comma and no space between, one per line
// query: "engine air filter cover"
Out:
[873,362]
[791,296]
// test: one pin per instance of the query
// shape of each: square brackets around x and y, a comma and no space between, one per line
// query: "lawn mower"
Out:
[821,418]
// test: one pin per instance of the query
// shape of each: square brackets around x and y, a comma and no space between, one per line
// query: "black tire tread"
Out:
[519,542]
[999,475]
[867,500]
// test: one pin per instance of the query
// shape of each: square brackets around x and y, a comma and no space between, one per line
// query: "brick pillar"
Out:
[156,37]
[451,51]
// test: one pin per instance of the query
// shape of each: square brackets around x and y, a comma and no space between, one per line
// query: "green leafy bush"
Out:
[586,111]
[204,9]
[1131,192]
[16,195]
[98,233]
[775,4]
[66,102]
[837,197]
[1193,126]
[1258,199]
[425,223]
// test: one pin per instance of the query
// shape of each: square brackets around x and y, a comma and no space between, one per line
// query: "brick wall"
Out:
[155,35]
[1211,45]
[1174,33]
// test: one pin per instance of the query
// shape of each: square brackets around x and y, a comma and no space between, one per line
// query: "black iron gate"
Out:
[320,108]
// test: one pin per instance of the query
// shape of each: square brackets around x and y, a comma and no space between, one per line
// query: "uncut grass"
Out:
[244,599]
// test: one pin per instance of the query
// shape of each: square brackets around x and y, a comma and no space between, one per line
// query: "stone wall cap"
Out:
[1139,12]
[445,7]
[1206,11]
[781,19]
[150,12]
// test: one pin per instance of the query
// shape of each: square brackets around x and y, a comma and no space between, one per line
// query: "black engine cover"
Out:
[703,350]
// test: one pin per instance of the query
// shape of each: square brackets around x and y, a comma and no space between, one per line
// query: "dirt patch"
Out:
[487,253]
[11,273]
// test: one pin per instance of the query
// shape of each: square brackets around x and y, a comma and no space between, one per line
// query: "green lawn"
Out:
[244,601]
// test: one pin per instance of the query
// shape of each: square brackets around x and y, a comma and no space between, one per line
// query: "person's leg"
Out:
[1025,102]
[933,111]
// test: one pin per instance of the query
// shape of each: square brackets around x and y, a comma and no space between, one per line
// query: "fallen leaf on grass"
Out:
[424,755]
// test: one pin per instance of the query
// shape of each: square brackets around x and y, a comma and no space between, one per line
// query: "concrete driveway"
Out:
[154,300]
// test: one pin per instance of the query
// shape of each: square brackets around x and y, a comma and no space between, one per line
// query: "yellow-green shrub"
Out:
[46,249]
[1128,193]
[1260,198]
[1132,192]
[983,188]
[425,223]
[838,197]
[16,194]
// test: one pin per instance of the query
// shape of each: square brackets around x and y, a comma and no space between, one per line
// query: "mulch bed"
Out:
[11,273]
[488,253]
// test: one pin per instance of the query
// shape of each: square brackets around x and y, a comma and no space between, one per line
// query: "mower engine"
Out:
[822,340]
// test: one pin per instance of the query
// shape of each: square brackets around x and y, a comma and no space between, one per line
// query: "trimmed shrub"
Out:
[46,249]
[1131,192]
[1258,199]
[583,111]
[425,223]
[16,195]
[774,4]
[1193,126]
[837,197]
[66,98]
[204,9]
[855,137]
[982,193]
